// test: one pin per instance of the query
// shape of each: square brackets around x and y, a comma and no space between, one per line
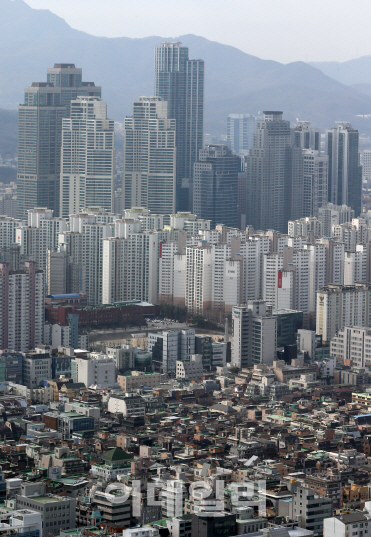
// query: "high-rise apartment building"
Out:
[353,344]
[180,82]
[83,244]
[339,306]
[87,158]
[240,132]
[198,287]
[315,169]
[22,307]
[274,175]
[215,185]
[40,135]
[254,335]
[344,170]
[331,215]
[150,156]
[130,267]
[39,236]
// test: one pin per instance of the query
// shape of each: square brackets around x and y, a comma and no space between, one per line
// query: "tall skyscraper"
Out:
[180,82]
[150,157]
[315,182]
[274,175]
[215,194]
[366,168]
[240,132]
[344,170]
[306,136]
[88,157]
[40,135]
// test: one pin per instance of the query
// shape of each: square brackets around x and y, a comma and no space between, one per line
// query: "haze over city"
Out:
[284,31]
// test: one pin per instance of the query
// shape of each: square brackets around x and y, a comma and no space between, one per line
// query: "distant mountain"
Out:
[32,40]
[352,72]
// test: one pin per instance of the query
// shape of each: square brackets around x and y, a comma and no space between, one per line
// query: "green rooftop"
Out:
[45,499]
[115,455]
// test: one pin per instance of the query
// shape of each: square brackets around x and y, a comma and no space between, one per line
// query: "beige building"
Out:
[133,380]
[190,369]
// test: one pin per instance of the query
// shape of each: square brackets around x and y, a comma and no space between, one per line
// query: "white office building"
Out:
[94,370]
[191,369]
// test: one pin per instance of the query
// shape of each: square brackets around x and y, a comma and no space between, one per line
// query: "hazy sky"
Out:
[282,30]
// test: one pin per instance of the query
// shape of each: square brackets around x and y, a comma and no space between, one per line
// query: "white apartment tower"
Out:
[353,344]
[87,158]
[130,267]
[254,338]
[40,235]
[339,306]
[331,214]
[84,247]
[199,267]
[149,177]
[22,307]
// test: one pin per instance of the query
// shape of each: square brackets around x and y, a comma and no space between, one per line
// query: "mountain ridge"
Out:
[32,40]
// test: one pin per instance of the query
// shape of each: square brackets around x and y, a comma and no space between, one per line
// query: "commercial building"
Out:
[311,509]
[344,170]
[40,135]
[69,423]
[180,82]
[57,512]
[36,367]
[128,405]
[87,157]
[191,369]
[94,369]
[215,185]
[215,524]
[135,379]
[169,346]
[240,132]
[274,169]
